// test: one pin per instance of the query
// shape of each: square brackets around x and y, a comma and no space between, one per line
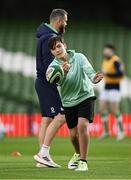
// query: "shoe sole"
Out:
[73,167]
[57,166]
[81,170]
[39,165]
[42,161]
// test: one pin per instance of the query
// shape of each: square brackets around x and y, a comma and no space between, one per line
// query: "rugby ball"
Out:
[54,74]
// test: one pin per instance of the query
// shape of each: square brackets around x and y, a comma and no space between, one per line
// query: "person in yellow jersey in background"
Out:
[110,96]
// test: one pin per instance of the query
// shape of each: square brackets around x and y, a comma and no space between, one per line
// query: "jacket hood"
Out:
[43,30]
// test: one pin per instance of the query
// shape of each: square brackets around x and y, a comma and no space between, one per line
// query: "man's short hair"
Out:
[53,40]
[110,46]
[57,13]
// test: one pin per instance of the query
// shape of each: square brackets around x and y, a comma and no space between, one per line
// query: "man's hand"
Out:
[66,67]
[98,77]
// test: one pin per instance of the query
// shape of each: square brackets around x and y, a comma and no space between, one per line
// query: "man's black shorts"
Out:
[85,109]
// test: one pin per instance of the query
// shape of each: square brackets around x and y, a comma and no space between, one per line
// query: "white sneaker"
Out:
[73,163]
[120,136]
[56,165]
[46,161]
[82,166]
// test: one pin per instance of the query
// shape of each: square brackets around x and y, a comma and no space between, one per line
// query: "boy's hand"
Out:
[66,67]
[98,77]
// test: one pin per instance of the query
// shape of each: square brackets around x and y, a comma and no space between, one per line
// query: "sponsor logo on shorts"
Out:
[52,110]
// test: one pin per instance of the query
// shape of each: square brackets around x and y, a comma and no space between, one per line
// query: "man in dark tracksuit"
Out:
[49,99]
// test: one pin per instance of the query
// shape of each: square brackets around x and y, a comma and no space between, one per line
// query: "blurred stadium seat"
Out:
[17,58]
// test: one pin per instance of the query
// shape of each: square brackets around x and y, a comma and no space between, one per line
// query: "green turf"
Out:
[108,159]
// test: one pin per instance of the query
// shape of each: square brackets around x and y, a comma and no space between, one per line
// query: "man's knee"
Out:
[46,121]
[60,119]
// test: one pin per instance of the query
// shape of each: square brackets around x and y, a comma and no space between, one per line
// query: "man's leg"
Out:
[50,104]
[42,132]
[114,106]
[103,107]
[52,129]
[43,127]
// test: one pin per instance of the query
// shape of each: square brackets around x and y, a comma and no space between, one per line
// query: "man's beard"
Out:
[61,29]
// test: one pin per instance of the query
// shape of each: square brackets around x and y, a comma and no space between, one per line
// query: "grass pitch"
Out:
[108,159]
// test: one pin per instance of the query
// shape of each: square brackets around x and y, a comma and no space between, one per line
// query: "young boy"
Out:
[77,97]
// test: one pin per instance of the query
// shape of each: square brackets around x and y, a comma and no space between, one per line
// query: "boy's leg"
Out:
[75,139]
[84,141]
[85,115]
[73,163]
[71,114]
[84,137]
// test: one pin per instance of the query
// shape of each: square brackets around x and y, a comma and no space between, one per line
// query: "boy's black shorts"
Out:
[85,109]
